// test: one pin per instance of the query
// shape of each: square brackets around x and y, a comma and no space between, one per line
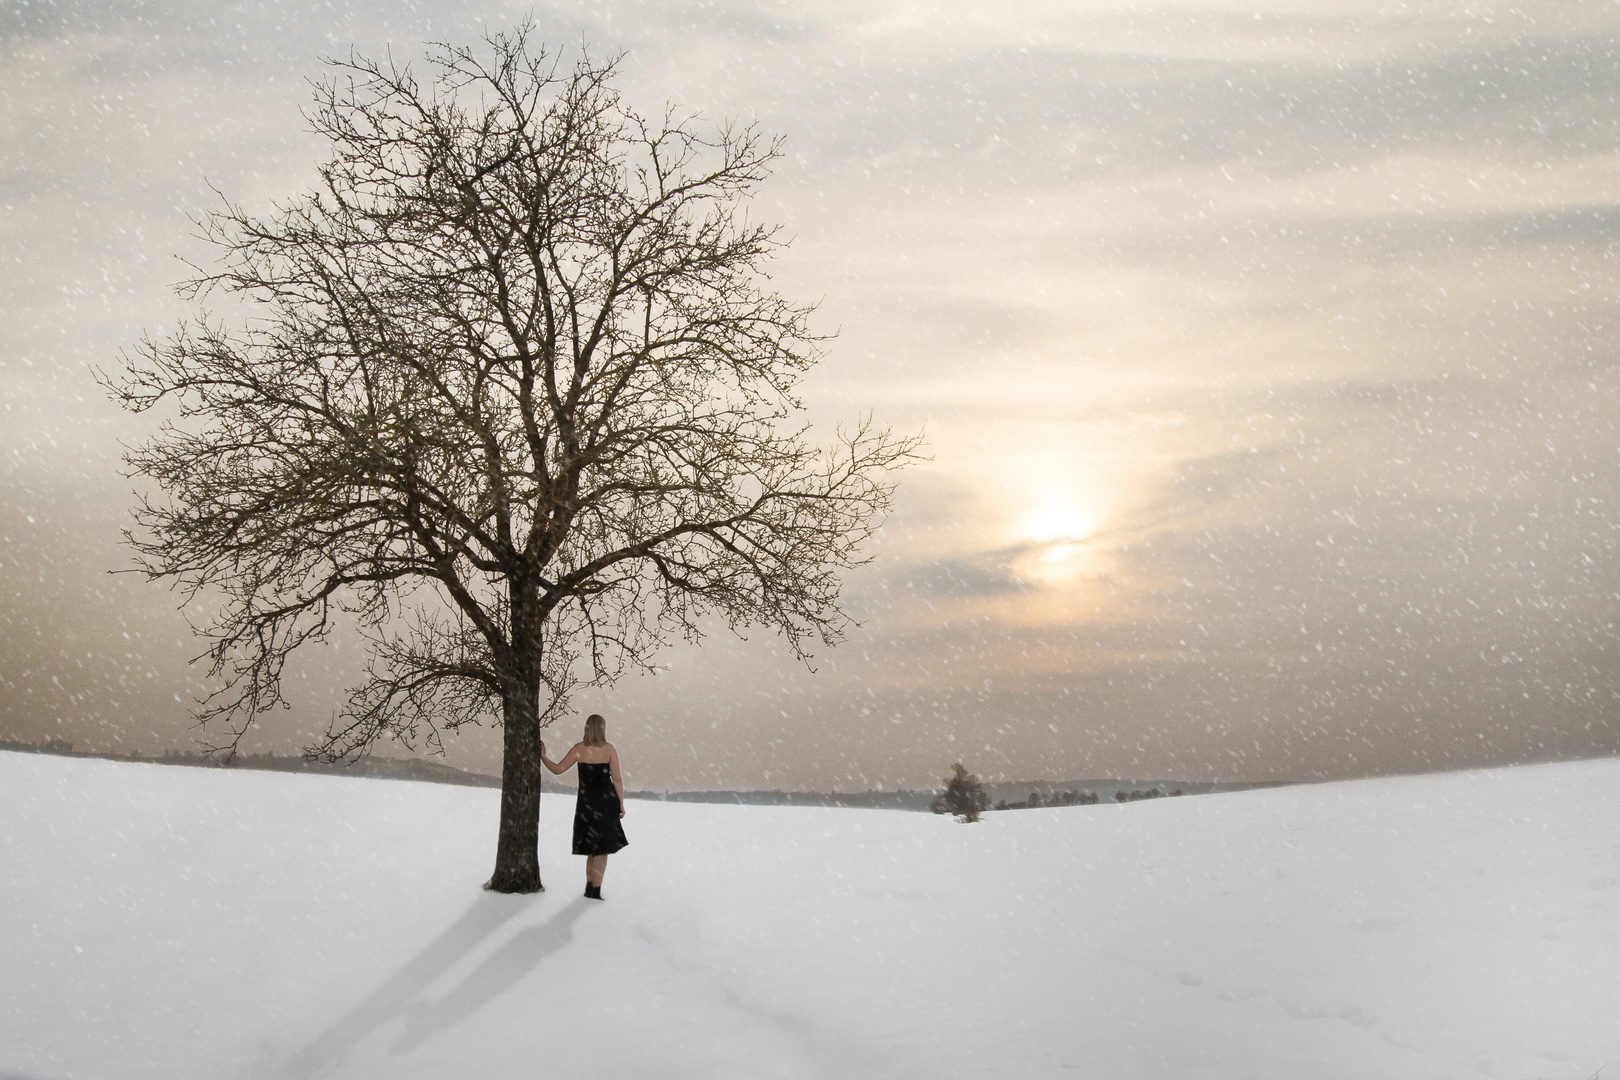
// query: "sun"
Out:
[1054,539]
[1064,521]
[1056,504]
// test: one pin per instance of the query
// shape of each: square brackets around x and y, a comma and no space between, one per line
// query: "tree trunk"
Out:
[517,852]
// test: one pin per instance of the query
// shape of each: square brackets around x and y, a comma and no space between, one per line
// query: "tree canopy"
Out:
[514,393]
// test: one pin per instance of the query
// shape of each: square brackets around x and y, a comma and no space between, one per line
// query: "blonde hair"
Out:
[595,730]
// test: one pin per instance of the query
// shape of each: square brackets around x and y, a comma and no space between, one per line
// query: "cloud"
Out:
[958,577]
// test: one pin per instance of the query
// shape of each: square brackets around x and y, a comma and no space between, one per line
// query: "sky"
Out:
[1266,356]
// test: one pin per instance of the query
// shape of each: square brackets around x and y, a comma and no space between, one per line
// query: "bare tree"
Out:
[517,398]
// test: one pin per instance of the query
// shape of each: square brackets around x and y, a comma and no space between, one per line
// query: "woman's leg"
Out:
[595,867]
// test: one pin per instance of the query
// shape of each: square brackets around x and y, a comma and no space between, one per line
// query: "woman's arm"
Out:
[559,767]
[618,781]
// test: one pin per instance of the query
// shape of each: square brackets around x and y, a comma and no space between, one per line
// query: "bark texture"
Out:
[517,859]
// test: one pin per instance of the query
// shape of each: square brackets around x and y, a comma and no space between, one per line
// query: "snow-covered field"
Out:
[179,923]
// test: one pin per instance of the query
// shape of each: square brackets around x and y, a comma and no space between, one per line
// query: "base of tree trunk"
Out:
[515,881]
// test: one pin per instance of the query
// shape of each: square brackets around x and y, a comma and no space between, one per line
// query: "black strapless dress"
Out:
[596,812]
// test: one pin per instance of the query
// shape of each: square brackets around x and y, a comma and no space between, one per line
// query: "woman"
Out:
[600,805]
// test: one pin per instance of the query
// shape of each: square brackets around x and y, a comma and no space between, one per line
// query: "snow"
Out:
[178,923]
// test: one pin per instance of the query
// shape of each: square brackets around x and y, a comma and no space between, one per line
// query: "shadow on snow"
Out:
[398,996]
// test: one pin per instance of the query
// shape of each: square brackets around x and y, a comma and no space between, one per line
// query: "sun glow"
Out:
[1066,521]
[1060,490]
[1054,539]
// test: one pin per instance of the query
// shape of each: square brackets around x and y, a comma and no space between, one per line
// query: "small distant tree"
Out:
[963,796]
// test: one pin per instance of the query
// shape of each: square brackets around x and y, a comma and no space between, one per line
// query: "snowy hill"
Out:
[189,923]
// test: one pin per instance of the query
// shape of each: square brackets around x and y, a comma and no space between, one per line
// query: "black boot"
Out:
[594,892]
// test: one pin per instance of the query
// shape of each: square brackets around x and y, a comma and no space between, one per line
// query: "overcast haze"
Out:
[1266,357]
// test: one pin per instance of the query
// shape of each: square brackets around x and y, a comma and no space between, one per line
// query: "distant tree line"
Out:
[965,797]
[1057,798]
[870,800]
[1150,793]
[48,746]
[1083,798]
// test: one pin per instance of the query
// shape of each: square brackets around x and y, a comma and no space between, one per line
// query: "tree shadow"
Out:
[487,914]
[512,962]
